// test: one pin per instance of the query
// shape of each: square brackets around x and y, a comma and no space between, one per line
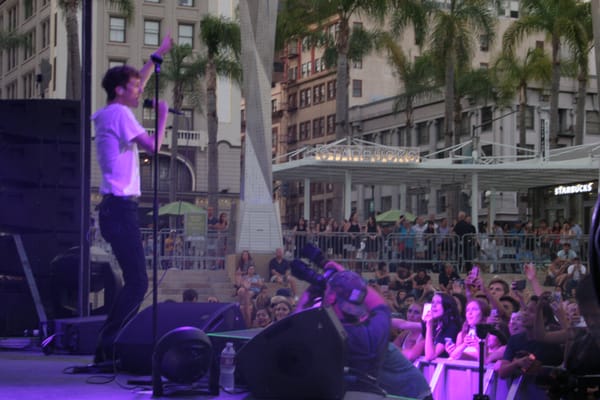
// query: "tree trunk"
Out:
[580,111]
[342,129]
[522,115]
[73,88]
[449,106]
[213,128]
[457,113]
[555,92]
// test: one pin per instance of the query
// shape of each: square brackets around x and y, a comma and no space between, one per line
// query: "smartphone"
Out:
[475,271]
[426,309]
[494,313]
[520,284]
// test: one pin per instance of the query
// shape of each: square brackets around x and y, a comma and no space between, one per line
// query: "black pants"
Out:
[119,225]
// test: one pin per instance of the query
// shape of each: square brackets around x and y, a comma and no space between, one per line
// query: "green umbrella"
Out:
[178,208]
[393,216]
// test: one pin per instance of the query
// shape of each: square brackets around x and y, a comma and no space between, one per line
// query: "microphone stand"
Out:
[482,330]
[157,387]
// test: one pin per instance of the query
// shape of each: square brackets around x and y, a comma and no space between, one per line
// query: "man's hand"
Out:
[165,46]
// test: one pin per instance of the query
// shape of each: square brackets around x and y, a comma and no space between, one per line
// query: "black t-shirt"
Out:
[583,357]
[281,267]
[444,279]
[367,342]
[547,354]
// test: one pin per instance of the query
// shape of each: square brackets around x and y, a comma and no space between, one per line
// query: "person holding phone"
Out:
[442,321]
[467,342]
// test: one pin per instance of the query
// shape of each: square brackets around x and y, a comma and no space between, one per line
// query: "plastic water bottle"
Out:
[226,379]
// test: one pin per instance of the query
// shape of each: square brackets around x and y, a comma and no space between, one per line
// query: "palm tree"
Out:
[416,77]
[70,9]
[472,84]
[513,75]
[338,48]
[560,20]
[184,73]
[222,58]
[583,45]
[455,27]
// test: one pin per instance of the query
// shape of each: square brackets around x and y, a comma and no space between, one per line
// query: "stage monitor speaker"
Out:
[133,345]
[300,357]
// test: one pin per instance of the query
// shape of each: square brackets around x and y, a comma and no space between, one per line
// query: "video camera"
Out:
[303,272]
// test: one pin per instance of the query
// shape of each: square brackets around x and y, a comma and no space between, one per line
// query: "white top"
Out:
[118,157]
[577,273]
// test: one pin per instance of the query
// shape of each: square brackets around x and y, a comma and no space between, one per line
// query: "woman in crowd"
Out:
[442,321]
[467,341]
[411,341]
[281,309]
[251,286]
[242,268]
[496,343]
[373,238]
[301,231]
[262,318]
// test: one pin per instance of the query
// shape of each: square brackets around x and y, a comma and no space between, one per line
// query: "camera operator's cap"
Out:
[350,290]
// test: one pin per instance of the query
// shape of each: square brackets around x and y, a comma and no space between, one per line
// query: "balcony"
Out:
[185,138]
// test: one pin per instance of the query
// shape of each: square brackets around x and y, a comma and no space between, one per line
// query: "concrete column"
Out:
[306,210]
[347,193]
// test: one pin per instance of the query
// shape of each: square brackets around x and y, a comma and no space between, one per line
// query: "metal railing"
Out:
[499,253]
[175,249]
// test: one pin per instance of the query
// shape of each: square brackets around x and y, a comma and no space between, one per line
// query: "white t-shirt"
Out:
[577,274]
[118,157]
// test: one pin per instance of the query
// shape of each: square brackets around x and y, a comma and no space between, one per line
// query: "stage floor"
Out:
[31,375]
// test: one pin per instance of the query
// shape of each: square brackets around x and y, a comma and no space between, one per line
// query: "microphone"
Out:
[149,103]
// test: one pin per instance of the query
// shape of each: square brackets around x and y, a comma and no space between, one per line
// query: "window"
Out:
[11,90]
[29,6]
[440,201]
[29,49]
[116,29]
[115,63]
[274,105]
[305,44]
[528,118]
[422,134]
[29,85]
[592,123]
[331,124]
[12,58]
[319,127]
[305,98]
[13,19]
[152,33]
[486,119]
[306,69]
[293,73]
[186,35]
[45,29]
[356,88]
[292,134]
[539,44]
[331,89]
[319,93]
[186,3]
[357,64]
[304,130]
[292,105]
[439,129]
[514,14]
[483,65]
[484,42]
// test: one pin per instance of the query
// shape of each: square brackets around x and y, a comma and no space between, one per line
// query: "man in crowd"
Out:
[280,271]
[366,317]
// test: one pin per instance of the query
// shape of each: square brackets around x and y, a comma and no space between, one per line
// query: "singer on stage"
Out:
[118,135]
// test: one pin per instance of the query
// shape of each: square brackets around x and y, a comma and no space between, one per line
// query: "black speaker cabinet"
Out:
[133,345]
[300,357]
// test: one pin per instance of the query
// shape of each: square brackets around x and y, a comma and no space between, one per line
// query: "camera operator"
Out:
[366,317]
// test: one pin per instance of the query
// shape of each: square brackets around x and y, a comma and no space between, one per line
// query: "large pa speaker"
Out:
[300,357]
[133,345]
[40,166]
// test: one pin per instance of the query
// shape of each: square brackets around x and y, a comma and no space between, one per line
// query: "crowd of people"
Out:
[525,323]
[430,242]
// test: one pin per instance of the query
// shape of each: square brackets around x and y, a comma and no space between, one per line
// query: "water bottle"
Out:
[226,380]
